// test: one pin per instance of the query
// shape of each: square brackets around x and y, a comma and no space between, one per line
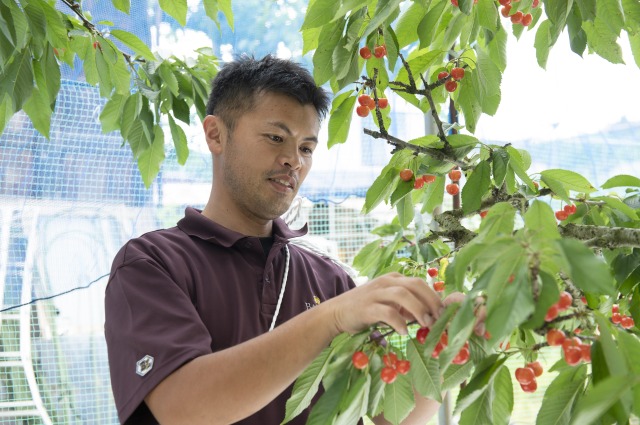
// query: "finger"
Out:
[406,303]
[452,298]
[424,292]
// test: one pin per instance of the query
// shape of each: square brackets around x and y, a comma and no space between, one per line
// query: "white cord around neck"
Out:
[282,288]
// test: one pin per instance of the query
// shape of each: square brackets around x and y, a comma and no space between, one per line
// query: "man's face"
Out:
[268,155]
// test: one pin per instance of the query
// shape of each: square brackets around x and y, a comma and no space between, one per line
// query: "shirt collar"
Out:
[197,225]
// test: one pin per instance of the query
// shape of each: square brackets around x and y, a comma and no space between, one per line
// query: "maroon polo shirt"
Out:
[190,290]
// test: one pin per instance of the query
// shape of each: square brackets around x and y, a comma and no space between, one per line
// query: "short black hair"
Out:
[234,88]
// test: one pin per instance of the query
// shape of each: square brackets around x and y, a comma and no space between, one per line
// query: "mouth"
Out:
[287,182]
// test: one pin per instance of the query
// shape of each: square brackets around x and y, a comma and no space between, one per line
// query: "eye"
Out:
[275,138]
[306,150]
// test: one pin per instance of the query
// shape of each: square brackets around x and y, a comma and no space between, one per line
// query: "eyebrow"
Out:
[286,129]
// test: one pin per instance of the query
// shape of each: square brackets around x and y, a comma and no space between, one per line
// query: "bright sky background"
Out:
[573,96]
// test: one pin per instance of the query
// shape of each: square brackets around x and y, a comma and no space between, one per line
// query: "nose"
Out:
[290,157]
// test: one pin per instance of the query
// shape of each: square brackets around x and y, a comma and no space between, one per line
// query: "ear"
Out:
[215,133]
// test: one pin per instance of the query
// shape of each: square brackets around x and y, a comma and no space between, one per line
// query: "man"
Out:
[189,309]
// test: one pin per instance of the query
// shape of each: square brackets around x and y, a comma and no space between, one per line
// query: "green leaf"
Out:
[587,9]
[122,5]
[477,185]
[177,9]
[179,141]
[384,10]
[601,397]
[560,396]
[499,220]
[355,401]
[460,330]
[319,13]
[405,210]
[39,111]
[610,12]
[602,40]
[489,79]
[587,271]
[326,409]
[455,375]
[380,189]
[310,39]
[134,43]
[56,29]
[430,23]
[37,22]
[112,113]
[104,73]
[425,371]
[433,195]
[498,49]
[622,180]
[340,120]
[469,101]
[17,79]
[150,160]
[558,10]
[398,400]
[540,221]
[227,11]
[502,397]
[617,204]
[483,376]
[323,56]
[407,24]
[570,180]
[577,36]
[419,61]
[631,10]
[543,43]
[480,411]
[500,162]
[426,141]
[5,111]
[488,15]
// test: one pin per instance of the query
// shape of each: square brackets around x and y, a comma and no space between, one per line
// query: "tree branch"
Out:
[602,236]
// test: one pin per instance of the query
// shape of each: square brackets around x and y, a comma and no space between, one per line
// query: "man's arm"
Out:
[229,385]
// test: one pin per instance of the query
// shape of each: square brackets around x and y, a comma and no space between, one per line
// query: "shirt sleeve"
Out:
[151,328]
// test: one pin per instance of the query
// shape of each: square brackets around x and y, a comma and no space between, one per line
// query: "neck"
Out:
[236,219]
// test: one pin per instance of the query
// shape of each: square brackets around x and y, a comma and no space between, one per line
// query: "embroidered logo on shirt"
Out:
[144,365]
[316,301]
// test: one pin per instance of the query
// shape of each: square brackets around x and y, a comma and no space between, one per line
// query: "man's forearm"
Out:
[231,384]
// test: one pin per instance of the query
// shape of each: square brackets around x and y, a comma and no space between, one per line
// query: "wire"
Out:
[35,300]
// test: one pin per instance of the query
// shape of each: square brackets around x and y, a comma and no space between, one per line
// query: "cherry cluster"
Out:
[392,365]
[453,188]
[367,103]
[565,301]
[518,17]
[574,350]
[526,376]
[451,79]
[438,285]
[621,319]
[379,51]
[406,175]
[564,213]
[461,358]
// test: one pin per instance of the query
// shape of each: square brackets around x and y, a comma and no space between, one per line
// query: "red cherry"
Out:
[536,367]
[616,318]
[390,360]
[418,184]
[505,10]
[571,342]
[360,360]
[570,209]
[366,100]
[452,189]
[516,18]
[383,102]
[535,4]
[573,355]
[438,286]
[555,337]
[365,52]
[530,387]
[444,339]
[422,335]
[388,375]
[429,178]
[96,45]
[462,357]
[406,175]
[432,271]
[443,74]
[451,86]
[457,73]
[362,111]
[504,2]
[561,215]
[565,301]
[627,322]
[526,19]
[552,313]
[483,214]
[585,351]
[454,2]
[615,308]
[403,367]
[379,51]
[583,299]
[455,175]
[437,350]
[525,375]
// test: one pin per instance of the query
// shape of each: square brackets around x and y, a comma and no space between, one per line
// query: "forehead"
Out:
[282,108]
